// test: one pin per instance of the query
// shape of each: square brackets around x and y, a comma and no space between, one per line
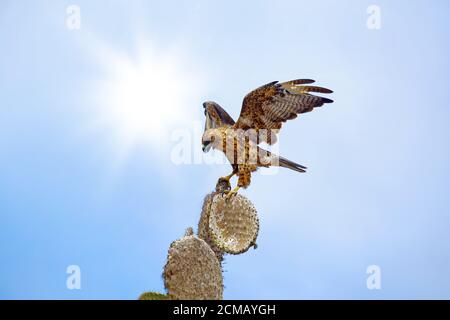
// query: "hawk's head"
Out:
[216,117]
[210,139]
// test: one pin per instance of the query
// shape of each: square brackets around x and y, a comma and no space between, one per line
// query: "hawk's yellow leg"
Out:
[228,177]
[232,193]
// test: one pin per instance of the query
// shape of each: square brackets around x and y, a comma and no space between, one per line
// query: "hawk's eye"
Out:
[213,138]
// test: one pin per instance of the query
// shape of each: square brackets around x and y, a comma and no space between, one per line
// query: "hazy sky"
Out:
[89,119]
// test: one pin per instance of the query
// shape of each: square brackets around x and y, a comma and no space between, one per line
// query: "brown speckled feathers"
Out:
[268,106]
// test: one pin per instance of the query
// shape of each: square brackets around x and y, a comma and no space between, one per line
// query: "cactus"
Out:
[193,267]
[233,223]
[192,270]
[203,231]
[153,296]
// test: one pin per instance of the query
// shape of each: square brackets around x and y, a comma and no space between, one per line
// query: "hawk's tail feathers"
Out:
[285,163]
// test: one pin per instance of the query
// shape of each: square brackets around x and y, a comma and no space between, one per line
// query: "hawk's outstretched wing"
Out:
[267,107]
[216,116]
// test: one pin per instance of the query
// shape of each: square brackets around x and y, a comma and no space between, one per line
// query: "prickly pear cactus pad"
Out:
[192,271]
[203,226]
[233,223]
[153,296]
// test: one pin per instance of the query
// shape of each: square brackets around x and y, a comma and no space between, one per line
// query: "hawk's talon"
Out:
[228,177]
[223,180]
[223,184]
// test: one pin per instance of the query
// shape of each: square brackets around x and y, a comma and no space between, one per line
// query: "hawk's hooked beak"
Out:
[206,147]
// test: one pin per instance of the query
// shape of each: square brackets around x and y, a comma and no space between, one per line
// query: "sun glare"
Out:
[146,94]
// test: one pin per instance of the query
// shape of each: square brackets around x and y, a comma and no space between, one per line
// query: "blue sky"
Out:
[85,181]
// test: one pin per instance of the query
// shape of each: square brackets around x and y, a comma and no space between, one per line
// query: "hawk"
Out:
[263,112]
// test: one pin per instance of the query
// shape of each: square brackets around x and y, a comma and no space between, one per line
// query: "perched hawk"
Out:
[263,112]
